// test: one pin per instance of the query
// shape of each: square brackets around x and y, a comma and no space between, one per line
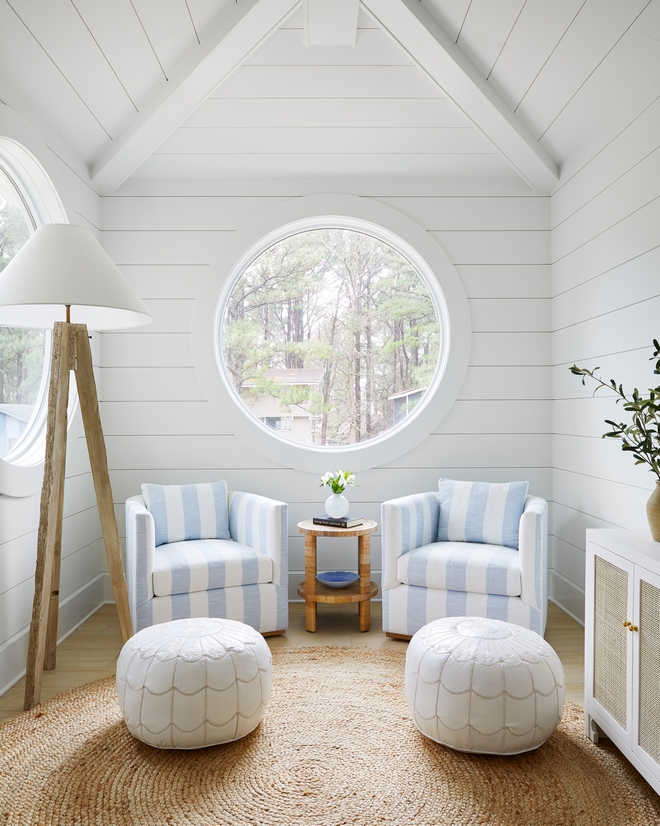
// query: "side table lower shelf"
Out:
[351,593]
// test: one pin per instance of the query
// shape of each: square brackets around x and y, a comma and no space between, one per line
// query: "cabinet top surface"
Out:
[619,540]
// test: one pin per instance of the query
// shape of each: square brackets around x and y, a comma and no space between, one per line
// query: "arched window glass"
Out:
[331,337]
[23,352]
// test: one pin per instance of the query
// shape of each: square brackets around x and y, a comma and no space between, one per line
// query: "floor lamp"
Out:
[62,272]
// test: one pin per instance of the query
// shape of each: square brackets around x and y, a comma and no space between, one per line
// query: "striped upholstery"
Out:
[258,530]
[205,564]
[462,566]
[410,524]
[183,512]
[482,512]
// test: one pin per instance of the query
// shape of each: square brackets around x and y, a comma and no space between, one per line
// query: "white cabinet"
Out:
[622,645]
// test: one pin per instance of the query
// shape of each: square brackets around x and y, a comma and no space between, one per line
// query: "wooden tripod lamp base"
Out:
[71,352]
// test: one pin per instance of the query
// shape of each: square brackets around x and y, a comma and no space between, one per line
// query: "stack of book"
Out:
[337,522]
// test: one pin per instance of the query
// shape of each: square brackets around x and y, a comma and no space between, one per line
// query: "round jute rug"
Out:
[337,746]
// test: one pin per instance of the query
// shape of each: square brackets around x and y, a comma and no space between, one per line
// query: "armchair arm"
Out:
[262,524]
[406,523]
[140,554]
[533,550]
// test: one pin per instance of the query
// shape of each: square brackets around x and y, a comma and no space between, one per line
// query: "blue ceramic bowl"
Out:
[337,579]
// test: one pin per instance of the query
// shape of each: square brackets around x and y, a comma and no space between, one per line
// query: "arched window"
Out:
[28,199]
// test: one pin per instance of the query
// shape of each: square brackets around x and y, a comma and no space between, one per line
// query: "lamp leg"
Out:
[89,407]
[50,517]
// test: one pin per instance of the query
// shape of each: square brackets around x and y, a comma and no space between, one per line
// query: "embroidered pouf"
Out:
[483,686]
[192,683]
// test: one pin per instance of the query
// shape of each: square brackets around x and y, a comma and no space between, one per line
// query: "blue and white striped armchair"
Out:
[428,575]
[241,576]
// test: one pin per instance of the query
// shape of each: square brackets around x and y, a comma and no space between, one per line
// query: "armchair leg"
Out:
[398,636]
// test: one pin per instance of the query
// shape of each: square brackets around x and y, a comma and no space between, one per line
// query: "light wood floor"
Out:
[91,652]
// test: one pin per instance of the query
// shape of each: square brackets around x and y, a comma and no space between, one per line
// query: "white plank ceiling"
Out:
[96,71]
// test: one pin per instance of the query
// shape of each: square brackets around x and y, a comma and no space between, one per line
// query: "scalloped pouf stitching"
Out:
[483,686]
[193,683]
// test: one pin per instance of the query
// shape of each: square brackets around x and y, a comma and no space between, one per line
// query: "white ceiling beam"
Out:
[239,33]
[427,43]
[330,22]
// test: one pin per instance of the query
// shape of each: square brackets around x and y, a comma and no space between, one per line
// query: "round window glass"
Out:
[330,337]
[22,351]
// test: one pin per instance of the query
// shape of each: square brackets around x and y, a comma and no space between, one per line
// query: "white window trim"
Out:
[308,213]
[21,472]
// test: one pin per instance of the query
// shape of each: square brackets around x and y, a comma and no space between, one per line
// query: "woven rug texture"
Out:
[337,746]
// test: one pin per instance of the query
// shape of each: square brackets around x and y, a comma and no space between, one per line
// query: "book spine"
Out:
[333,524]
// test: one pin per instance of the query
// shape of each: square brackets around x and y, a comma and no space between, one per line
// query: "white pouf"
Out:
[192,683]
[483,685]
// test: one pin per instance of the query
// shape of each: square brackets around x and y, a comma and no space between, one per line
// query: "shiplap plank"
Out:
[628,194]
[497,416]
[571,525]
[158,247]
[285,47]
[507,383]
[634,142]
[603,458]
[18,516]
[593,33]
[489,165]
[377,485]
[622,505]
[361,185]
[536,33]
[391,140]
[451,16]
[616,245]
[324,112]
[586,416]
[206,14]
[493,349]
[523,315]
[169,29]
[505,280]
[164,282]
[149,384]
[171,452]
[202,213]
[171,315]
[633,56]
[16,609]
[328,82]
[567,596]
[184,418]
[17,560]
[478,451]
[631,327]
[502,247]
[631,283]
[121,38]
[475,213]
[81,567]
[567,560]
[65,38]
[486,29]
[47,88]
[147,350]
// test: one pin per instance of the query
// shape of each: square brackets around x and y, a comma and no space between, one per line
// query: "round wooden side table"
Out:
[360,591]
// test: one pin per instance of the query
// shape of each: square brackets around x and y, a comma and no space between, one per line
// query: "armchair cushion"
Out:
[184,512]
[461,566]
[484,512]
[205,564]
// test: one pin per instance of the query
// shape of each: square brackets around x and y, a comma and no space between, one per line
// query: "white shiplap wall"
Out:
[82,580]
[606,306]
[159,426]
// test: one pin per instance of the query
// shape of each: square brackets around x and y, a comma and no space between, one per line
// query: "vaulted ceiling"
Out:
[237,88]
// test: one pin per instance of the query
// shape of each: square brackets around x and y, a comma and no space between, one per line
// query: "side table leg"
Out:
[310,582]
[364,570]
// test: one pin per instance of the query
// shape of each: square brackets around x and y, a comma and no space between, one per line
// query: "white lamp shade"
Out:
[62,264]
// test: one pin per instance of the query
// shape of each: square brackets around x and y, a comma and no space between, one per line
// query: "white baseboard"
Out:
[74,610]
[566,595]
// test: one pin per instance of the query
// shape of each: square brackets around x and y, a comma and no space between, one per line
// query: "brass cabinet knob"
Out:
[627,623]
[634,628]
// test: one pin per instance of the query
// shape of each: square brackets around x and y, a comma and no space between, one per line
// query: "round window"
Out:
[331,336]
[23,352]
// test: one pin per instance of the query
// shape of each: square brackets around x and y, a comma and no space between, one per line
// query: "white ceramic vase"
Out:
[336,505]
